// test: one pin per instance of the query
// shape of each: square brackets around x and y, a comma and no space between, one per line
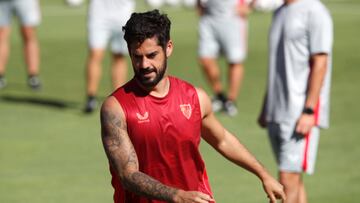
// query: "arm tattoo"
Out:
[122,156]
[114,137]
[149,187]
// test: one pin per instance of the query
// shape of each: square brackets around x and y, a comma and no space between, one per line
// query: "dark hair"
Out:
[142,26]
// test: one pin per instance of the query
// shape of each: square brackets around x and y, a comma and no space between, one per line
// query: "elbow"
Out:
[125,180]
[128,180]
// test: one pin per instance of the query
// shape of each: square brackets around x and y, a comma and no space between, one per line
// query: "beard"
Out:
[150,82]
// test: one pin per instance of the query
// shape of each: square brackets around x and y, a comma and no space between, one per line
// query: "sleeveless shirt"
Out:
[165,133]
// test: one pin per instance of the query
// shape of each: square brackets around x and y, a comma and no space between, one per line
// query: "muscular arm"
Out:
[225,142]
[122,155]
[231,148]
[123,159]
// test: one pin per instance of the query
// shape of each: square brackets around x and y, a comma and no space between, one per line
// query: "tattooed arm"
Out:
[123,159]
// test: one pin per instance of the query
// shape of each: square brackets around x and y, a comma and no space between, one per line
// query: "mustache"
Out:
[147,70]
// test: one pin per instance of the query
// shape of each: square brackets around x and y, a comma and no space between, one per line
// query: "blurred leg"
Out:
[119,70]
[302,193]
[93,71]
[93,75]
[235,76]
[4,48]
[31,50]
[212,73]
[291,183]
[236,73]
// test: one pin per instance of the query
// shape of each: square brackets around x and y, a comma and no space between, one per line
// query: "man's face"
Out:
[149,61]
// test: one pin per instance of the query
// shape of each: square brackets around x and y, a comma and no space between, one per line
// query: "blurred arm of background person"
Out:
[262,117]
[318,66]
[200,7]
[245,7]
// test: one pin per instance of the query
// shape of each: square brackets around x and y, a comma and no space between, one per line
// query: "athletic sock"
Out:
[2,81]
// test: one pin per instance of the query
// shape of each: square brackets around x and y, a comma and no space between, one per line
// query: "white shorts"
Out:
[102,33]
[226,36]
[27,11]
[105,25]
[294,152]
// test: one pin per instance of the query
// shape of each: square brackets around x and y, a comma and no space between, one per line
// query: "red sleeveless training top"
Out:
[165,133]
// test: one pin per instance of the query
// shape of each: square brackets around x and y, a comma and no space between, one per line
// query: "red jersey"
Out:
[165,133]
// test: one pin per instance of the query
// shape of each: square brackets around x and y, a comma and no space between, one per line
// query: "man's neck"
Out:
[162,88]
[159,90]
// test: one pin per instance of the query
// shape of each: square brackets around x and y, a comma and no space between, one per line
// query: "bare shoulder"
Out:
[111,108]
[205,102]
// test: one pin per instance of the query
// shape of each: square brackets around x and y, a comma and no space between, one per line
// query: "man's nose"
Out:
[145,63]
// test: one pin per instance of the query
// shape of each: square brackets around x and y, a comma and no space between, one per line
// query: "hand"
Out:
[305,123]
[262,121]
[243,10]
[191,197]
[200,9]
[273,189]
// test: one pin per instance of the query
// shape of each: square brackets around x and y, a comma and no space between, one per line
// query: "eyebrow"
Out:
[147,54]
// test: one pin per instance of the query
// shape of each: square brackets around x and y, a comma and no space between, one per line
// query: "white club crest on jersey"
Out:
[143,118]
[186,110]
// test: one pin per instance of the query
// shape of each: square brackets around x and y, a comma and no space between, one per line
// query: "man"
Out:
[296,104]
[105,20]
[223,29]
[151,127]
[28,13]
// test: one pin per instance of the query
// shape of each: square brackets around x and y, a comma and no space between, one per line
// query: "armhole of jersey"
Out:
[123,110]
[198,101]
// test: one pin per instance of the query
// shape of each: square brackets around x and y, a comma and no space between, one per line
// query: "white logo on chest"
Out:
[143,118]
[186,110]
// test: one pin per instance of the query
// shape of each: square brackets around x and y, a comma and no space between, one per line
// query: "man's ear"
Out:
[169,48]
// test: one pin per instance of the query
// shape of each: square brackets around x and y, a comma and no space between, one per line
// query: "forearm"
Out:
[145,185]
[134,180]
[123,158]
[232,149]
[317,75]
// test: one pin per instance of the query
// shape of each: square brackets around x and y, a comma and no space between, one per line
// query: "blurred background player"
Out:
[223,30]
[105,21]
[74,3]
[265,5]
[28,13]
[297,101]
[172,3]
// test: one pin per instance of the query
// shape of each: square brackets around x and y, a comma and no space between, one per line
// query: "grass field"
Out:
[51,152]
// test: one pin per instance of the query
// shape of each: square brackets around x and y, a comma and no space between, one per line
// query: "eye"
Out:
[152,55]
[136,56]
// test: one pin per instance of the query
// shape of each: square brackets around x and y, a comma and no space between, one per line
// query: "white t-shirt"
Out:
[298,31]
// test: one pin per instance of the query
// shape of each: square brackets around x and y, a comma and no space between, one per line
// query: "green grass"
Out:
[51,152]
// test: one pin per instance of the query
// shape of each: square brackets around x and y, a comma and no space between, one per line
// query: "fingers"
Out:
[305,124]
[281,195]
[274,190]
[203,198]
[261,122]
[277,195]
[303,129]
[192,197]
[272,198]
